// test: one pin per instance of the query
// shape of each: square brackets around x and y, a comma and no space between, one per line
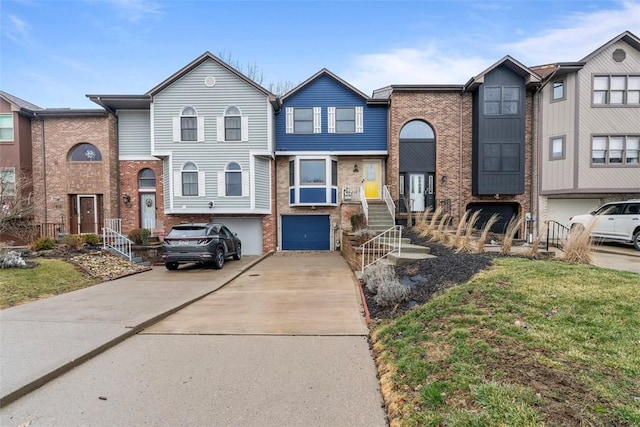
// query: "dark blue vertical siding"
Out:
[325,92]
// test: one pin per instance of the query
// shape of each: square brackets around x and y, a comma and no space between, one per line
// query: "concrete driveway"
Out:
[289,293]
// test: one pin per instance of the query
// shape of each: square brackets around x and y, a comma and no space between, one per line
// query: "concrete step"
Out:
[408,257]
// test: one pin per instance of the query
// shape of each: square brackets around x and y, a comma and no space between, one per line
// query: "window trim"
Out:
[331,173]
[553,90]
[184,171]
[142,179]
[84,146]
[11,173]
[625,95]
[184,116]
[351,129]
[563,155]
[607,150]
[228,171]
[238,116]
[13,128]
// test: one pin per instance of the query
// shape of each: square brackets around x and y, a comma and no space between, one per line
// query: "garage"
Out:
[561,210]
[306,232]
[249,230]
[505,212]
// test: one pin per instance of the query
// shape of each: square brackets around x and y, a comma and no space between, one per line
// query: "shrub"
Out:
[74,241]
[578,246]
[358,221]
[44,243]
[140,236]
[12,259]
[91,239]
[381,279]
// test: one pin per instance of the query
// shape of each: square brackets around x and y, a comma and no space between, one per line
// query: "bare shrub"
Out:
[430,227]
[512,228]
[439,234]
[381,280]
[74,241]
[364,235]
[465,245]
[377,273]
[535,245]
[486,229]
[421,220]
[455,242]
[407,204]
[578,247]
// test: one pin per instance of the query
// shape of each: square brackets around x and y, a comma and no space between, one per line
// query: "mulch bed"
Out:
[428,277]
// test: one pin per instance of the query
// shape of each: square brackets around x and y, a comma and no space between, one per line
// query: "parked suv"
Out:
[200,243]
[616,222]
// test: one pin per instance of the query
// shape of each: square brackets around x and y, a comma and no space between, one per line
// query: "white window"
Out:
[557,148]
[615,150]
[189,181]
[233,126]
[303,120]
[233,181]
[7,182]
[616,90]
[557,90]
[84,152]
[6,127]
[345,119]
[188,127]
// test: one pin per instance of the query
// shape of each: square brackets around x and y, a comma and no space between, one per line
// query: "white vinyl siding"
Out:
[222,184]
[134,133]
[177,184]
[177,130]
[244,130]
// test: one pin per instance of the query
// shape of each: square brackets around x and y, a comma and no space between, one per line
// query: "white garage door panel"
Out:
[561,210]
[249,230]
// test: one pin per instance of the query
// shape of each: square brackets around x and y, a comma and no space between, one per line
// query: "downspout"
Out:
[44,167]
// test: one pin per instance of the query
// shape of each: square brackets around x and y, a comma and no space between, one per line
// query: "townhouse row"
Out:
[289,172]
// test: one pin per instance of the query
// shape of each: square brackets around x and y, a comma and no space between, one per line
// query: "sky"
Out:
[55,52]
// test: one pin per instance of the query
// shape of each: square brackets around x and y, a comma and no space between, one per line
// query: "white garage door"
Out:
[249,230]
[561,210]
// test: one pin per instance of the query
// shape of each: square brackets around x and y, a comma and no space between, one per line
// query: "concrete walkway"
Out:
[43,339]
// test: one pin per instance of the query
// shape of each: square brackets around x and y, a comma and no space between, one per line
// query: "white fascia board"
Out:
[261,153]
[270,132]
[137,157]
[332,153]
[218,211]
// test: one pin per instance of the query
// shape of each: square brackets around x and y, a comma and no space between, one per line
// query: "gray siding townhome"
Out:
[589,132]
[198,147]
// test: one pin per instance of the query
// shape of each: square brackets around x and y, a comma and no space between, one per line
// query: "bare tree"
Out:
[255,73]
[17,206]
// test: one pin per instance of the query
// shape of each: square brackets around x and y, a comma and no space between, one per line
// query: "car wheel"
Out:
[238,253]
[218,261]
[171,265]
[636,240]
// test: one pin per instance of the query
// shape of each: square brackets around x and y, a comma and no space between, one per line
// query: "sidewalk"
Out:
[43,339]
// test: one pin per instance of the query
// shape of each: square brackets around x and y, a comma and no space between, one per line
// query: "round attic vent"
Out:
[619,55]
[209,81]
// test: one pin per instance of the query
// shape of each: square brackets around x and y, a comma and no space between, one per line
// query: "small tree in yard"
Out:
[17,207]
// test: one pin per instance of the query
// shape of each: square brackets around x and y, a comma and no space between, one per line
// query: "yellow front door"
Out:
[372,179]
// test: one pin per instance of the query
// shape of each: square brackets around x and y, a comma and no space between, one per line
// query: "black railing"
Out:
[51,229]
[557,234]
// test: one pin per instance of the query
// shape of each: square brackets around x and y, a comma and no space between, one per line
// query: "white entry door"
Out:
[148,210]
[416,191]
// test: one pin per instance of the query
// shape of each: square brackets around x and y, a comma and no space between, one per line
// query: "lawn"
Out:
[524,343]
[50,277]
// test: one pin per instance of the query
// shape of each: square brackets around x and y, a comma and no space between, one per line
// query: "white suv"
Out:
[616,222]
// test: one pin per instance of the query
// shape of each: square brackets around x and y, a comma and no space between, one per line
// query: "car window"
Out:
[214,230]
[610,210]
[632,209]
[186,232]
[225,231]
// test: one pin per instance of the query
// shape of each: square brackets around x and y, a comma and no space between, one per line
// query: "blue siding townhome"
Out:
[331,150]
[198,147]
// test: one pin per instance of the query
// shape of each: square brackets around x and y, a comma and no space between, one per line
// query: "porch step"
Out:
[408,257]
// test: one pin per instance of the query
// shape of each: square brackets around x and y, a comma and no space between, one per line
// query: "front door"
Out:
[148,211]
[416,191]
[87,214]
[430,196]
[372,178]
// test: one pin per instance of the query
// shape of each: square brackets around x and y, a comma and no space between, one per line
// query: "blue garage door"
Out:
[305,232]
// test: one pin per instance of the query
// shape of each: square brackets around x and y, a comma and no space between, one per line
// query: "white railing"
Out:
[389,201]
[385,243]
[114,240]
[350,193]
[365,205]
[114,224]
[150,224]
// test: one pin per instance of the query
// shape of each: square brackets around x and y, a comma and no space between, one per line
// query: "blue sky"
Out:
[54,52]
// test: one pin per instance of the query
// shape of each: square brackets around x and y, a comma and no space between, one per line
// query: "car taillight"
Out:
[204,242]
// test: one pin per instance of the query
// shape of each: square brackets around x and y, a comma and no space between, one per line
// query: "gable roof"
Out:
[531,78]
[628,37]
[325,72]
[18,102]
[275,101]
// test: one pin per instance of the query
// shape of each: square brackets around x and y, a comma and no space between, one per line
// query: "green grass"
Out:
[526,343]
[50,277]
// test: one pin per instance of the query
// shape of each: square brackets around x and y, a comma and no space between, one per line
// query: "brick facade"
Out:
[130,213]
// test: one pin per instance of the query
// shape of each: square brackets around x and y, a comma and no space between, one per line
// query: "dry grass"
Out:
[431,226]
[486,229]
[510,232]
[578,246]
[535,245]
[459,230]
[440,234]
[469,230]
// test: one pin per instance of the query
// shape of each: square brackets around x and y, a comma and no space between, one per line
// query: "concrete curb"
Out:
[39,382]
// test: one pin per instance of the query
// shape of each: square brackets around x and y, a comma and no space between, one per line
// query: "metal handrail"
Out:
[111,239]
[365,205]
[386,195]
[379,247]
[556,234]
[351,192]
[114,224]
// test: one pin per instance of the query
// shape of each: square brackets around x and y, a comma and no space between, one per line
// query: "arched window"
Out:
[189,124]
[232,124]
[233,179]
[189,179]
[146,179]
[84,152]
[417,129]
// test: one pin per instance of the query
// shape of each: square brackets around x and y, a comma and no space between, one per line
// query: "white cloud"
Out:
[427,65]
[583,33]
[17,29]
[136,10]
